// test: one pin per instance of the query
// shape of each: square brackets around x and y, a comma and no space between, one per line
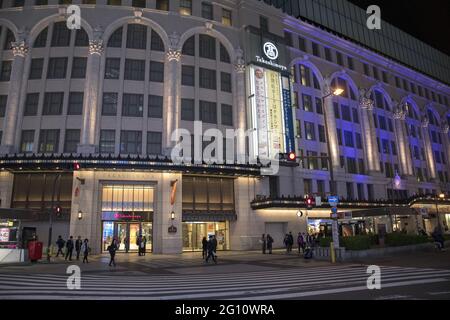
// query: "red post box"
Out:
[35,250]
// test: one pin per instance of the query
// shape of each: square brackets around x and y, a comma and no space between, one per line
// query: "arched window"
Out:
[115,41]
[41,39]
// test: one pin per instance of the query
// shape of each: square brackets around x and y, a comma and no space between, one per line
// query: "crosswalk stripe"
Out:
[228,281]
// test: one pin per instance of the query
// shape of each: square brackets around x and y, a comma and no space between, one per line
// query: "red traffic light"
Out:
[292,156]
[58,210]
[76,166]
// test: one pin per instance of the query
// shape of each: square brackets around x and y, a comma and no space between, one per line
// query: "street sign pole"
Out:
[333,201]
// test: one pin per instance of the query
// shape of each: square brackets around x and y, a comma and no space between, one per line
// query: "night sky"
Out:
[427,20]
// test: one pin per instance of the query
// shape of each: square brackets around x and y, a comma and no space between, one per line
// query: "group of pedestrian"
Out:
[267,243]
[209,248]
[79,245]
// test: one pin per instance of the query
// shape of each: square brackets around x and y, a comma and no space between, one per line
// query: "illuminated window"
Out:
[226,17]
[27,141]
[49,141]
[185,8]
[162,5]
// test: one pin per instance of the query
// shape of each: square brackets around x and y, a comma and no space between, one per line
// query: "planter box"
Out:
[342,254]
[13,255]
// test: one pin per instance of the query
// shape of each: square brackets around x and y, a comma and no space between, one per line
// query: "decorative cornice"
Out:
[19,48]
[173,54]
[96,47]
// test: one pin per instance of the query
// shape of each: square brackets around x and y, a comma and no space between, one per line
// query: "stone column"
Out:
[172,94]
[369,132]
[240,116]
[331,128]
[404,154]
[20,50]
[428,148]
[446,142]
[91,103]
[172,80]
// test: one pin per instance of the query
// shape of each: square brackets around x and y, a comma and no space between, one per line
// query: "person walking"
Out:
[138,243]
[144,245]
[263,242]
[69,247]
[212,246]
[438,237]
[85,249]
[291,241]
[269,243]
[112,248]
[60,243]
[286,242]
[78,244]
[204,248]
[300,243]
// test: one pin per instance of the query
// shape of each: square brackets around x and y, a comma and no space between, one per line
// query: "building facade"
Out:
[88,116]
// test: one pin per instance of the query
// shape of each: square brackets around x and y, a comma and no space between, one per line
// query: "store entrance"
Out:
[126,234]
[193,233]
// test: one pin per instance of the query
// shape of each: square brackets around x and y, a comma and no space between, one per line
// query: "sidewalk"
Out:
[188,262]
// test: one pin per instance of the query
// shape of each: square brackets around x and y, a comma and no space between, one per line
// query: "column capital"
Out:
[399,114]
[445,127]
[96,47]
[425,122]
[366,103]
[19,48]
[239,67]
[173,54]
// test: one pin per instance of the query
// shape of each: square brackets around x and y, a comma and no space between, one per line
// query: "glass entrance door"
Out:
[127,234]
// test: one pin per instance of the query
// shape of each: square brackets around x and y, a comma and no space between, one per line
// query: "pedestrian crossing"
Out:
[256,285]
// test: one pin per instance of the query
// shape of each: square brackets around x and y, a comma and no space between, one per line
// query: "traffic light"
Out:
[58,211]
[292,156]
[76,166]
[310,202]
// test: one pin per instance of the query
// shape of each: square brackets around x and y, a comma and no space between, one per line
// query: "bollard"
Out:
[332,253]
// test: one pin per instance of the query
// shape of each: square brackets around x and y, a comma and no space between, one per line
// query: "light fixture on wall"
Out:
[80,215]
[172,215]
[299,214]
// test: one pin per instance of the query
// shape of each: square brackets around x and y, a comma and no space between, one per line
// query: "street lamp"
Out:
[80,215]
[336,92]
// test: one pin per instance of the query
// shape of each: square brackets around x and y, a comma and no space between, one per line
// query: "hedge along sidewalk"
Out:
[342,254]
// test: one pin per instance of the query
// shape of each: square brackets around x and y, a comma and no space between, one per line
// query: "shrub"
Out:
[400,239]
[360,242]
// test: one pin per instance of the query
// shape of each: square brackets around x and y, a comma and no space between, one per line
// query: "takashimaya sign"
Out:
[270,50]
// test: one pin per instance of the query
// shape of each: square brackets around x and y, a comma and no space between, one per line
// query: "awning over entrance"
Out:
[30,215]
[224,216]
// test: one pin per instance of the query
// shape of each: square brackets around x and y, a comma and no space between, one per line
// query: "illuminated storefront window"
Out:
[193,233]
[126,214]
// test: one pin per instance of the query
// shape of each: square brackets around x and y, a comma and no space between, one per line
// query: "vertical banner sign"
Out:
[261,113]
[288,119]
[173,185]
[273,85]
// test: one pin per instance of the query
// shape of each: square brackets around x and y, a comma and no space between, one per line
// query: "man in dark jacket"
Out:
[269,243]
[60,243]
[69,246]
[78,244]
[291,241]
[264,243]
[204,248]
[112,248]
[212,246]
